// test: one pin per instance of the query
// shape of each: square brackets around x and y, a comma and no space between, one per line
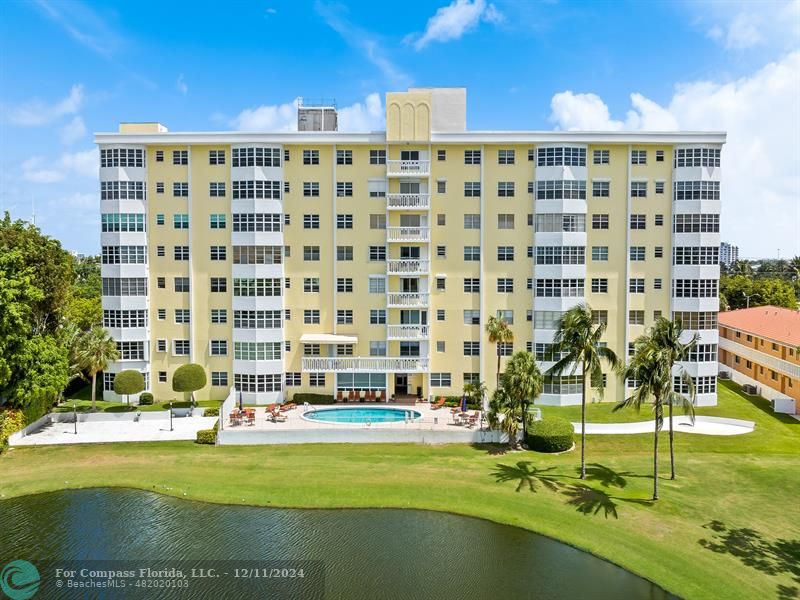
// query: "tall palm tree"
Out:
[577,341]
[96,350]
[741,267]
[504,414]
[666,335]
[794,267]
[524,382]
[649,370]
[499,333]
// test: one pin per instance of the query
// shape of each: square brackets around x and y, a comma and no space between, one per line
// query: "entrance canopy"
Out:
[327,338]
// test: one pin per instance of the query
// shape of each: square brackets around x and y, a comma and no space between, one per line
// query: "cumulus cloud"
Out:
[359,116]
[82,164]
[742,25]
[73,131]
[36,113]
[454,20]
[760,161]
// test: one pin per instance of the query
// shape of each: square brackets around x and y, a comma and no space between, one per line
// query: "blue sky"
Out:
[68,69]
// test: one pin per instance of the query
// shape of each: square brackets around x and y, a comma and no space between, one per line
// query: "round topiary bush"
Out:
[128,382]
[211,412]
[189,378]
[551,434]
[145,399]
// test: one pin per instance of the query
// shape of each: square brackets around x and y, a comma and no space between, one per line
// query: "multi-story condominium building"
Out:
[760,347]
[323,261]
[728,254]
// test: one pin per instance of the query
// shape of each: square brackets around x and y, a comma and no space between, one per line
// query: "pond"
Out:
[360,553]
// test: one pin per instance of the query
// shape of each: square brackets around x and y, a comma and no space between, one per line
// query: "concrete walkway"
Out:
[702,425]
[99,432]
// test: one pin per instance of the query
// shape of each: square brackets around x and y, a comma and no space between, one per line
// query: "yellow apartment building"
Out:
[324,261]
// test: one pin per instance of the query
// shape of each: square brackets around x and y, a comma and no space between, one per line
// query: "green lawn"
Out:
[83,402]
[727,528]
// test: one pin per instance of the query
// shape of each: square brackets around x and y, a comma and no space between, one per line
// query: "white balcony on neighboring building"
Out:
[408,168]
[407,300]
[408,234]
[408,201]
[407,266]
[407,332]
[372,364]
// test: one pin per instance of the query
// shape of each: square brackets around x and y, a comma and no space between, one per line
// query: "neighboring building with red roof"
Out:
[761,346]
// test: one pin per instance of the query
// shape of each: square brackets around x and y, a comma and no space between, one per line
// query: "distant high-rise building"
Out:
[728,254]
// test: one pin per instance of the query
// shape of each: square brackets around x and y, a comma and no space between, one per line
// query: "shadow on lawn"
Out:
[772,557]
[586,499]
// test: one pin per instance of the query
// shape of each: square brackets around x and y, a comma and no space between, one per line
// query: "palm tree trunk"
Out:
[94,391]
[583,423]
[655,460]
[671,448]
[497,384]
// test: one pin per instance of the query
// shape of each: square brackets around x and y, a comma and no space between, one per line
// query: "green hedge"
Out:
[146,399]
[551,434]
[207,436]
[11,421]
[211,412]
[456,401]
[299,398]
[36,407]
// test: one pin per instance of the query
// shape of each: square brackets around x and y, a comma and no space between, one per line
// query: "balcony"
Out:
[408,201]
[406,300]
[407,266]
[372,364]
[407,332]
[408,234]
[408,168]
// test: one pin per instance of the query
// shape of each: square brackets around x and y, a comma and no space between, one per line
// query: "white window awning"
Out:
[327,338]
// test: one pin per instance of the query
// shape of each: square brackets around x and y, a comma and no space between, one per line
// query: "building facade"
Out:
[319,261]
[760,347]
[728,254]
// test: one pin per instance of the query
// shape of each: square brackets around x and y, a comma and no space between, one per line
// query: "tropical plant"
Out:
[128,382]
[499,333]
[577,342]
[666,335]
[742,268]
[505,414]
[523,382]
[97,349]
[189,378]
[475,393]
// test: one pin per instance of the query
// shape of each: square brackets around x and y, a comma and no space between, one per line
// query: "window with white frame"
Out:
[505,189]
[506,157]
[472,157]
[440,380]
[638,189]
[472,221]
[377,284]
[344,285]
[636,285]
[636,253]
[600,253]
[505,253]
[472,189]
[377,316]
[638,157]
[472,317]
[601,157]
[472,285]
[219,347]
[599,285]
[505,285]
[505,221]
[601,189]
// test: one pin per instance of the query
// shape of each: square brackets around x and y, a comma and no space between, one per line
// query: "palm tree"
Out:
[741,267]
[96,350]
[794,268]
[504,414]
[648,370]
[577,341]
[499,333]
[667,335]
[524,383]
[475,392]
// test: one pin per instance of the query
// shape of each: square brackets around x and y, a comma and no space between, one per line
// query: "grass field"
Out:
[83,403]
[726,528]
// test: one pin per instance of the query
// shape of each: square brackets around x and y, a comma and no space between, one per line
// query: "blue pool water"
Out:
[361,415]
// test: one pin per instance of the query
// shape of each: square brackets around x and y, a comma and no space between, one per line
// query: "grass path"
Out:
[724,485]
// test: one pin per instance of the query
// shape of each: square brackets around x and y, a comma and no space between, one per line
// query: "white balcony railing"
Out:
[372,364]
[408,201]
[407,266]
[408,234]
[411,168]
[407,332]
[761,358]
[406,300]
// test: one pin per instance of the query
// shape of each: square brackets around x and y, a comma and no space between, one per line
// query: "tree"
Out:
[505,414]
[189,378]
[577,341]
[742,268]
[666,335]
[96,350]
[128,382]
[735,291]
[499,333]
[85,313]
[523,382]
[475,392]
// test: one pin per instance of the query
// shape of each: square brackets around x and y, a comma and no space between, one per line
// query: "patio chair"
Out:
[270,407]
[371,395]
[438,404]
[278,417]
[289,406]
[362,396]
[339,396]
[352,396]
[379,396]
[234,418]
[251,417]
[473,419]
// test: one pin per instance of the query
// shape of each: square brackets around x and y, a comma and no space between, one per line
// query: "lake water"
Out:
[353,554]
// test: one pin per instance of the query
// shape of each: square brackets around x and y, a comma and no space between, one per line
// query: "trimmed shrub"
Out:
[36,407]
[207,436]
[189,378]
[146,399]
[128,382]
[211,412]
[551,434]
[299,398]
[11,421]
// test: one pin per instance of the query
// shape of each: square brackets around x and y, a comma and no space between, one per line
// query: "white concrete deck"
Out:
[99,432]
[702,425]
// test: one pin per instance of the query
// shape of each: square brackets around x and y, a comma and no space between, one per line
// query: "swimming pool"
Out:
[369,414]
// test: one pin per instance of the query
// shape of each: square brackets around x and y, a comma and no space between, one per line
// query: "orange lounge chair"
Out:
[339,396]
[289,406]
[278,417]
[438,404]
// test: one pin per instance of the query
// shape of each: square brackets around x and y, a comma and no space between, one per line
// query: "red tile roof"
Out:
[771,322]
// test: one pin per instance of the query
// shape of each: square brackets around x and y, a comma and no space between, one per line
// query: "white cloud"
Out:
[83,164]
[73,131]
[181,86]
[761,178]
[271,11]
[457,18]
[36,113]
[743,24]
[359,116]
